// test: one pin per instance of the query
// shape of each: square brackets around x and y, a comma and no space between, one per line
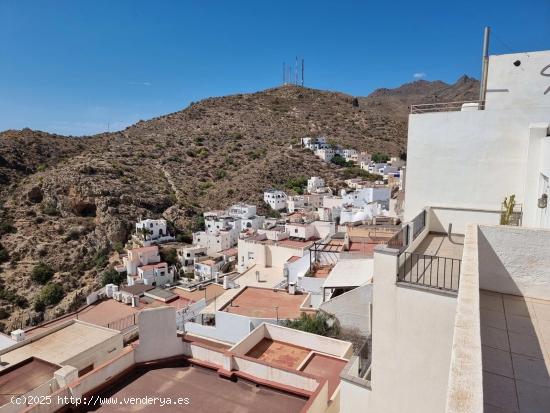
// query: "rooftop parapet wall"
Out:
[515,260]
[465,391]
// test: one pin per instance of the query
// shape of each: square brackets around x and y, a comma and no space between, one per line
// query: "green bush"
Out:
[6,227]
[320,323]
[297,184]
[13,298]
[340,161]
[198,223]
[112,276]
[185,238]
[169,255]
[271,213]
[51,294]
[39,305]
[355,172]
[118,247]
[51,210]
[72,235]
[380,157]
[101,259]
[42,273]
[220,174]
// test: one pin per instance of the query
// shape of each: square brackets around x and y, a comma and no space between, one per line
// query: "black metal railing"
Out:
[419,223]
[400,241]
[431,271]
[123,323]
[364,359]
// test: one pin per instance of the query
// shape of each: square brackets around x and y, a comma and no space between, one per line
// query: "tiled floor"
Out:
[515,338]
[441,245]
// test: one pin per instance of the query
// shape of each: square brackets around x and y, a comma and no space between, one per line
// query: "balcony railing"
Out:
[400,241]
[364,358]
[123,323]
[431,271]
[448,106]
[419,223]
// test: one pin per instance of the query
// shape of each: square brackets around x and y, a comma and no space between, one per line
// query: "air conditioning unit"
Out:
[127,299]
[117,295]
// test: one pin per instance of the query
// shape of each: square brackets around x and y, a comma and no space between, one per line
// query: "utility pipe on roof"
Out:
[484,67]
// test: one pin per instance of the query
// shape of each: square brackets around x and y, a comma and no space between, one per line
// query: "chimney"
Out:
[225,283]
[346,242]
[292,288]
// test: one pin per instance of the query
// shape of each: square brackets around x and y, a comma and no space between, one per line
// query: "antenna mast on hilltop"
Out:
[294,75]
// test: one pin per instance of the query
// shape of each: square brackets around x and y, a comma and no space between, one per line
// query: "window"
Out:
[295,230]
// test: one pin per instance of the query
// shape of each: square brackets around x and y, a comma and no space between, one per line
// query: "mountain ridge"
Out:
[70,202]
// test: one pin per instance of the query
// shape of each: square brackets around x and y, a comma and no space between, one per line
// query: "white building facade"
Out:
[275,199]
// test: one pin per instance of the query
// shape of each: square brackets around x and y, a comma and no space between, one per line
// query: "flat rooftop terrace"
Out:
[61,345]
[434,263]
[207,392]
[326,367]
[441,245]
[211,291]
[294,357]
[262,303]
[279,353]
[24,377]
[515,339]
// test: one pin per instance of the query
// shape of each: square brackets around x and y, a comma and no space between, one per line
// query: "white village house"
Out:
[276,199]
[150,231]
[143,266]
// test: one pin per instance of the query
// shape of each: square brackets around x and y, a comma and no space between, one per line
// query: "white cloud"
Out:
[419,75]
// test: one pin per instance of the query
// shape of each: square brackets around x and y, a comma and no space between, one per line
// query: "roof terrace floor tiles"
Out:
[266,303]
[441,245]
[516,354]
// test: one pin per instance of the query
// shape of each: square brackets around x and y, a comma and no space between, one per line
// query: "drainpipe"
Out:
[484,67]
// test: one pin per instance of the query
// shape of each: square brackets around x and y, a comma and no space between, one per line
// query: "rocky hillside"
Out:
[69,202]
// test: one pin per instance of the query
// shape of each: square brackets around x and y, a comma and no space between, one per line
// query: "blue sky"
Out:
[75,67]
